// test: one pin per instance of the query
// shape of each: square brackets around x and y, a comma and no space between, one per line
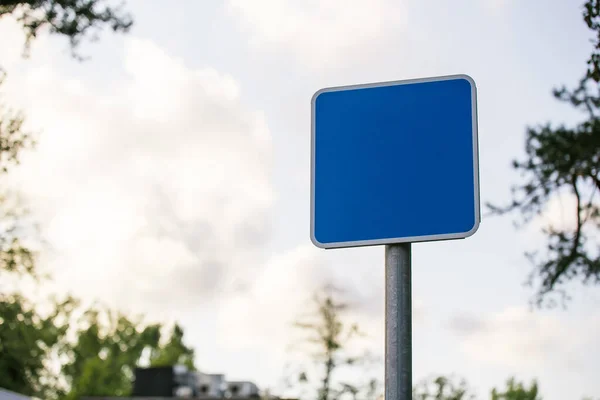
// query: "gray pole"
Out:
[398,322]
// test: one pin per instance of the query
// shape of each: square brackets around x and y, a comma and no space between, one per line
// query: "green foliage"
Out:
[13,138]
[110,345]
[173,352]
[560,160]
[98,379]
[73,19]
[105,346]
[564,159]
[591,16]
[15,257]
[328,337]
[27,339]
[517,391]
[97,355]
[446,388]
[442,388]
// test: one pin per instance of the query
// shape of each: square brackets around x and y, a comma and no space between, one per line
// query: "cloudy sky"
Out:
[172,176]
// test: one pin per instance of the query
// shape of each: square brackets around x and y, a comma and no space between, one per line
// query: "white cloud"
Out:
[262,318]
[10,32]
[319,33]
[519,339]
[155,195]
[279,295]
[154,192]
[560,213]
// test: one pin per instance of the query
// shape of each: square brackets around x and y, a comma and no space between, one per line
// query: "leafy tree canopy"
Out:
[74,19]
[561,159]
[27,341]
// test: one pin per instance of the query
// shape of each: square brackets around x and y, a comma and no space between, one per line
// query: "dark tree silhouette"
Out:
[565,159]
[74,19]
[591,16]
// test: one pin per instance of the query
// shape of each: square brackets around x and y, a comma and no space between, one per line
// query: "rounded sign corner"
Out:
[474,229]
[469,79]
[316,242]
[316,95]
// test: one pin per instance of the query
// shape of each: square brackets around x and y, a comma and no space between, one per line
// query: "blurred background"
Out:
[154,201]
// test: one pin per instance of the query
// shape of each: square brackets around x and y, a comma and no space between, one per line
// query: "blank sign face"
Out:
[394,162]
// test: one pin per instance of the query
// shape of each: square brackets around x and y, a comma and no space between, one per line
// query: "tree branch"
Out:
[565,263]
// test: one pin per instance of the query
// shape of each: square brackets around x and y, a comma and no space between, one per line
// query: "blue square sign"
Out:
[394,162]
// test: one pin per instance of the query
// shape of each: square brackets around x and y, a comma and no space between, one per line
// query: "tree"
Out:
[517,391]
[446,388]
[442,388]
[591,16]
[14,256]
[108,347]
[13,138]
[328,337]
[174,351]
[74,19]
[26,336]
[562,160]
[27,339]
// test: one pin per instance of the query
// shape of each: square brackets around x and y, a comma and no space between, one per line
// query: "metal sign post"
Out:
[398,322]
[395,163]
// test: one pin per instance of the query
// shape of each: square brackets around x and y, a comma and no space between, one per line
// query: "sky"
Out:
[171,177]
